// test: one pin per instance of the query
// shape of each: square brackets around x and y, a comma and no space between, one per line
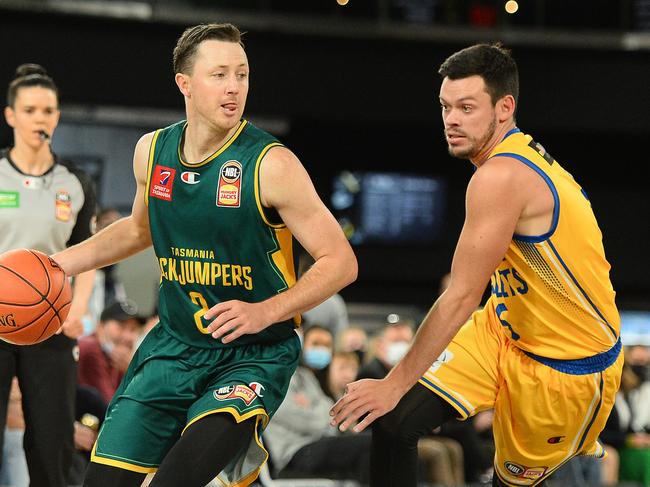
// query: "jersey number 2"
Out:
[199,300]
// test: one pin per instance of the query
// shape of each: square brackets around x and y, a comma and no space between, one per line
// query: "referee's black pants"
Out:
[47,374]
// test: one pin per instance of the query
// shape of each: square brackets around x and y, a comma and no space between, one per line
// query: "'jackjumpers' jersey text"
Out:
[214,239]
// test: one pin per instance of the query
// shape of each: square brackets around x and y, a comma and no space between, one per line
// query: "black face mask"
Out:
[641,371]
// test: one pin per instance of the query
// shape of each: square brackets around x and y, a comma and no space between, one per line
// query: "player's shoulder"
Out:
[497,172]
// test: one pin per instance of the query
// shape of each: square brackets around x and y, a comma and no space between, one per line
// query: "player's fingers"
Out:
[353,416]
[225,328]
[367,421]
[235,334]
[335,410]
[217,309]
[221,320]
[348,410]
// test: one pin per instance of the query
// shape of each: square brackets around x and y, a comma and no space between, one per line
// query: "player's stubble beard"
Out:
[476,146]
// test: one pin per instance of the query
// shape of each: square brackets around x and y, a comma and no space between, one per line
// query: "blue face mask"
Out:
[317,357]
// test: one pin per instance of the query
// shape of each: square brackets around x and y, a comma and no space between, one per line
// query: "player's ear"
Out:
[10,116]
[183,83]
[505,108]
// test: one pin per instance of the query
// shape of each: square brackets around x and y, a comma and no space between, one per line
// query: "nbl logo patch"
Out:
[238,391]
[229,188]
[162,183]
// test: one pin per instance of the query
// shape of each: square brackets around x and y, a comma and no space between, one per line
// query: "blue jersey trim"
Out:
[575,281]
[510,132]
[447,395]
[556,199]
[593,418]
[583,366]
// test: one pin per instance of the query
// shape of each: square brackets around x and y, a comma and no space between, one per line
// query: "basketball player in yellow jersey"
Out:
[544,352]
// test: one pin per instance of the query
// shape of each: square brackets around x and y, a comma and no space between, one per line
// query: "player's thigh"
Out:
[543,417]
[466,374]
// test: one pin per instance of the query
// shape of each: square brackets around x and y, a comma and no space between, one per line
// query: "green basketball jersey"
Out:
[213,238]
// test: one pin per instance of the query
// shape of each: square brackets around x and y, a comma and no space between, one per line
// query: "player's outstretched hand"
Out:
[370,397]
[233,319]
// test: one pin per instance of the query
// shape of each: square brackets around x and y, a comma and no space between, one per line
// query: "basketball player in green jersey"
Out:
[220,200]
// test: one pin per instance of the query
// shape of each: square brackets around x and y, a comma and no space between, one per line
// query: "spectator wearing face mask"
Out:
[317,350]
[300,439]
[105,355]
[392,344]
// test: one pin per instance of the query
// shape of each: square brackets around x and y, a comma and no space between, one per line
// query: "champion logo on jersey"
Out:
[229,188]
[189,177]
[162,182]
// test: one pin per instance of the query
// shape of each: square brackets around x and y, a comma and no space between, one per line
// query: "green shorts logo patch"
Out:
[9,199]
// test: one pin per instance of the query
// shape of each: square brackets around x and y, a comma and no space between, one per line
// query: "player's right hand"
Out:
[370,397]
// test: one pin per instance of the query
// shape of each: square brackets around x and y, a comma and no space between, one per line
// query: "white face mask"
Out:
[396,351]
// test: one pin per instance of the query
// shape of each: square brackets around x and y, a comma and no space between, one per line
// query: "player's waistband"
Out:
[582,366]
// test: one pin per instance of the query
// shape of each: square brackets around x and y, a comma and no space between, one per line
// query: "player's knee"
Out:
[393,428]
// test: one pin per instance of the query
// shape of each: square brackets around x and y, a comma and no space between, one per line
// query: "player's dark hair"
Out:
[28,75]
[189,41]
[492,62]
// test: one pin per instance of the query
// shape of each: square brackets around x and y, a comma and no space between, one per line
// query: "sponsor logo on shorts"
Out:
[229,188]
[257,388]
[189,177]
[524,472]
[514,469]
[162,183]
[238,391]
[63,206]
[554,440]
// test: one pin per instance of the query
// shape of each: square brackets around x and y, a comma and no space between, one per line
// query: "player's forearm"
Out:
[326,277]
[438,328]
[83,288]
[116,242]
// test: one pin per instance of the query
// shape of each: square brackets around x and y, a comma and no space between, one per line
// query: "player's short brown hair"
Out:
[492,62]
[189,41]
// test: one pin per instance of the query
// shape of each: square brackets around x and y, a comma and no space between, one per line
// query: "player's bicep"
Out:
[286,186]
[139,212]
[494,206]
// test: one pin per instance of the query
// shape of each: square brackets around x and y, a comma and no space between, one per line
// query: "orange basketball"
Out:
[35,296]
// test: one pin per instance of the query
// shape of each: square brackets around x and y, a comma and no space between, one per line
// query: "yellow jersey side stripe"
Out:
[570,285]
[257,185]
[152,149]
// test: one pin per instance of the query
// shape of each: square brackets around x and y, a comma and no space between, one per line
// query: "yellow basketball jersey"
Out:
[552,292]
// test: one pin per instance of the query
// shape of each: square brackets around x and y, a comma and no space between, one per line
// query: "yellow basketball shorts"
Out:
[542,416]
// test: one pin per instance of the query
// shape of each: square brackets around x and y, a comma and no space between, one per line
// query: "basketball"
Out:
[35,296]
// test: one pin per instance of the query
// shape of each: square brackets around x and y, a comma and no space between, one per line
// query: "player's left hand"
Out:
[73,326]
[234,318]
[371,397]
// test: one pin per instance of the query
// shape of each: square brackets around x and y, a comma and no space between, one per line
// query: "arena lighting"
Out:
[342,2]
[511,6]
